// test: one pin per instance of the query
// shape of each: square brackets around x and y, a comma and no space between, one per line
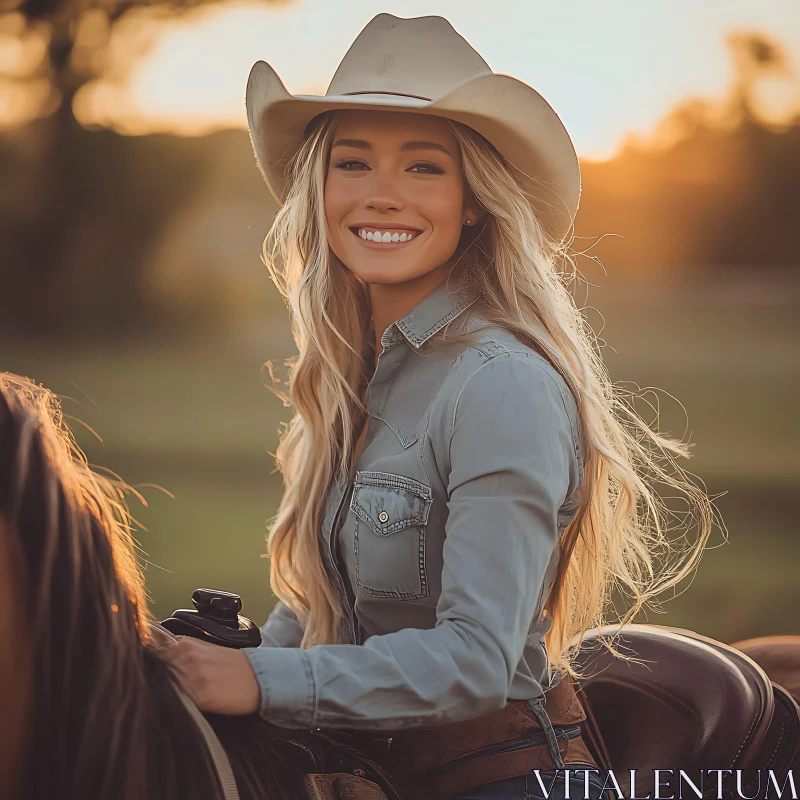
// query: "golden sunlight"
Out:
[190,75]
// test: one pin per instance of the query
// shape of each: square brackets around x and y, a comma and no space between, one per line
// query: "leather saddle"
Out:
[696,704]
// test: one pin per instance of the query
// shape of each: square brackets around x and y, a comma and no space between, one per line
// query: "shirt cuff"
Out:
[288,691]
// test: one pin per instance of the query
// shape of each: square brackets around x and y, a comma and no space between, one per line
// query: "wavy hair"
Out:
[619,538]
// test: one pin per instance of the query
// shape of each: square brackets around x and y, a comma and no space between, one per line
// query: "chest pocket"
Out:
[392,517]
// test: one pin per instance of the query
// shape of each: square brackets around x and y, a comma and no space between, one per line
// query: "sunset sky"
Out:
[607,68]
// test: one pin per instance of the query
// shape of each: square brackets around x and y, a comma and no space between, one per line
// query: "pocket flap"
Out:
[388,502]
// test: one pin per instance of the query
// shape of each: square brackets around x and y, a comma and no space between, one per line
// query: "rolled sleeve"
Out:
[286,684]
[512,462]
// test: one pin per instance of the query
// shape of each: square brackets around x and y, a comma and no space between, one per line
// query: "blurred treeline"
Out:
[102,232]
[130,280]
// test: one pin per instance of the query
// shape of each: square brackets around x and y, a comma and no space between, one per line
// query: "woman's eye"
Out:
[349,164]
[355,164]
[429,169]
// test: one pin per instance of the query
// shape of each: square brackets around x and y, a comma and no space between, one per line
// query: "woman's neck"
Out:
[391,302]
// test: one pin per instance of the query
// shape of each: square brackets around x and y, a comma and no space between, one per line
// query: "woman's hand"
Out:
[217,679]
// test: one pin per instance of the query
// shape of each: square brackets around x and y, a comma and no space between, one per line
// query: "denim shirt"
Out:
[442,539]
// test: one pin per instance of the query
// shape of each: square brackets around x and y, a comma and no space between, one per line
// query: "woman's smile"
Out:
[390,237]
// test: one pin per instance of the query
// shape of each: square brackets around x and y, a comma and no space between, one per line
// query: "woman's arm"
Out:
[219,679]
[512,465]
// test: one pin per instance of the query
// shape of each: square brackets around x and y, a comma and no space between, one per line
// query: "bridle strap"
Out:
[218,755]
[222,765]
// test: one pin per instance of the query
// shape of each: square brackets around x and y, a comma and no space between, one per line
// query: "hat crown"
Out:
[420,57]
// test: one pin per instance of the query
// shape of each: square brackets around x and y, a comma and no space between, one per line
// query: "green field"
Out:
[195,419]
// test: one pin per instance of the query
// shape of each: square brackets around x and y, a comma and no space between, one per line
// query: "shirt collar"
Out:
[429,316]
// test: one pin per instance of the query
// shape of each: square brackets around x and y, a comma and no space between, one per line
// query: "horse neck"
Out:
[15,669]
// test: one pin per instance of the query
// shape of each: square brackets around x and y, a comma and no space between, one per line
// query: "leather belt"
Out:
[542,733]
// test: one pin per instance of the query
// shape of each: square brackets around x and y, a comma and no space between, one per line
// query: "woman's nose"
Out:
[383,197]
[383,204]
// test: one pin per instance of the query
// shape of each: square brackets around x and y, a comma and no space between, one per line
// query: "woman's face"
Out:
[395,195]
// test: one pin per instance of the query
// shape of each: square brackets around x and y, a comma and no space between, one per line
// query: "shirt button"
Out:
[383,516]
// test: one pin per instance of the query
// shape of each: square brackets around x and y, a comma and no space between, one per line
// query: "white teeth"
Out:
[377,236]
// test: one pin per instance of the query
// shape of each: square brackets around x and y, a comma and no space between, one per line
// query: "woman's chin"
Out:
[384,274]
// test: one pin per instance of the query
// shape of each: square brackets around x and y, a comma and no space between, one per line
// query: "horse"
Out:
[91,706]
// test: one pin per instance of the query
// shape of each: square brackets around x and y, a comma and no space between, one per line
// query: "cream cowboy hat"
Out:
[423,65]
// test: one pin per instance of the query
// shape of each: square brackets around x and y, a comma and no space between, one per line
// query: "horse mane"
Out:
[91,708]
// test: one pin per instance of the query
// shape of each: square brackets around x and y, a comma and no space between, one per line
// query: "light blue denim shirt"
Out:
[444,535]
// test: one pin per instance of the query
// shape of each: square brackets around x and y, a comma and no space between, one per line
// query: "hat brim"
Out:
[514,117]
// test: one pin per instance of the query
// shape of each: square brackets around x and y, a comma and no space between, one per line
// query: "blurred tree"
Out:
[716,187]
[61,237]
[755,56]
[760,225]
[66,20]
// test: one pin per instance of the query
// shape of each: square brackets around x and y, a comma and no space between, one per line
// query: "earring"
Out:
[468,222]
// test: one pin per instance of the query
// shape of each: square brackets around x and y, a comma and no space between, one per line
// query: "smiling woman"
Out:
[463,484]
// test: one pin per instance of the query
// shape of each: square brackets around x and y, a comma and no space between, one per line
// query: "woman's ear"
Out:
[473,215]
[474,212]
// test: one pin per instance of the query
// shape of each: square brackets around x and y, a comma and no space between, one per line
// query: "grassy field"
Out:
[195,419]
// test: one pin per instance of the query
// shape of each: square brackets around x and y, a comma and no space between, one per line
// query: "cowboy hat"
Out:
[422,65]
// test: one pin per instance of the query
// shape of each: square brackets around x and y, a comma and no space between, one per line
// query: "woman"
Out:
[464,484]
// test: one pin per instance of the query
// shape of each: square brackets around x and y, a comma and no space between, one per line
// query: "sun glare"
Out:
[191,80]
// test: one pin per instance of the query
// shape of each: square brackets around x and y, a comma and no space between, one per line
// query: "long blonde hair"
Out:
[619,537]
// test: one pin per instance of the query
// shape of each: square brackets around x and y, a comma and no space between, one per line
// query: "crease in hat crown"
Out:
[402,57]
[423,65]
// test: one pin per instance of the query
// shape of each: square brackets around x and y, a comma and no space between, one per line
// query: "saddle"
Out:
[698,704]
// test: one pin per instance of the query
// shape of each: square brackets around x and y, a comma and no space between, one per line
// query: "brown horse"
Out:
[90,706]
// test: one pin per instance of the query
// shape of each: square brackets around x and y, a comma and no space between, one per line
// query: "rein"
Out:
[222,765]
